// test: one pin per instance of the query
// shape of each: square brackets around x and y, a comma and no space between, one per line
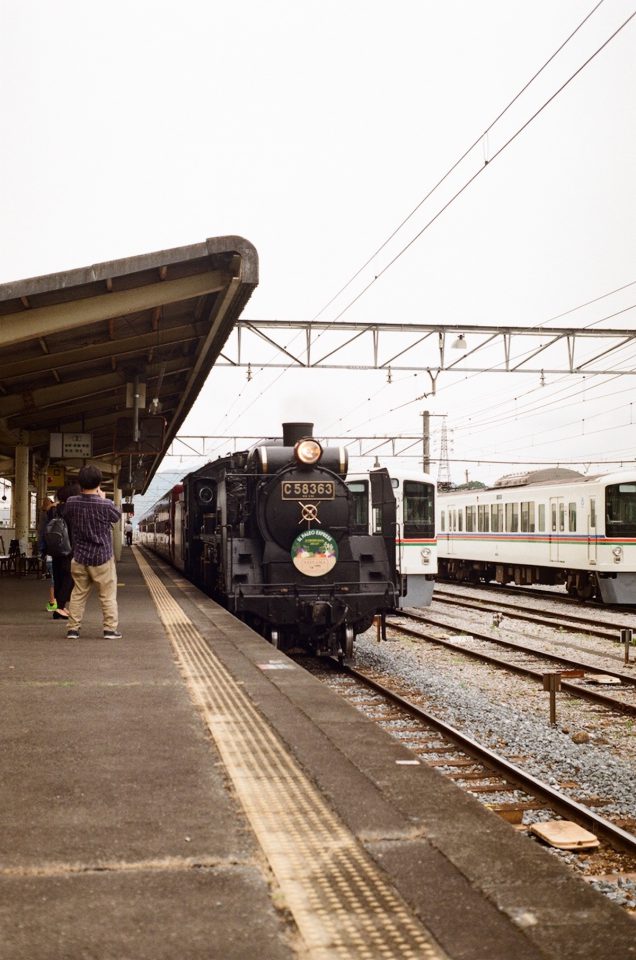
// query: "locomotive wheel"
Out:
[345,652]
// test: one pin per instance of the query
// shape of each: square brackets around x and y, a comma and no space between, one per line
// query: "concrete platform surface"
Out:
[119,836]
[125,831]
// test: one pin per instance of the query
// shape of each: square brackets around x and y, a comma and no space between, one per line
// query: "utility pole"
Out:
[426,442]
[443,474]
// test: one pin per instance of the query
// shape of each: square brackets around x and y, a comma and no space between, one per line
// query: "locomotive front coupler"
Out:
[320,612]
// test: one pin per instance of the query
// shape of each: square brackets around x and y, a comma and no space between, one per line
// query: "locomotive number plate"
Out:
[311,490]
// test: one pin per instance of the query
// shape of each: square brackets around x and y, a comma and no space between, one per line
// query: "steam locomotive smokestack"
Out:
[293,432]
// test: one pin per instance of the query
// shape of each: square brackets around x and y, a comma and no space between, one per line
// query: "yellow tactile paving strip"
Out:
[342,904]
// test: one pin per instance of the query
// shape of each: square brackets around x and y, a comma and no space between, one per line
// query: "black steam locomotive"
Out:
[273,535]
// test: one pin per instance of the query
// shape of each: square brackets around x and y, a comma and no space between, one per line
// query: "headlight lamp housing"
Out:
[308,452]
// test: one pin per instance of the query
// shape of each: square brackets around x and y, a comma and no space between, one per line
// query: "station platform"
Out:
[189,791]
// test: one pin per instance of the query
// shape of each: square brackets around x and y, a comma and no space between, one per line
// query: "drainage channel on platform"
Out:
[342,904]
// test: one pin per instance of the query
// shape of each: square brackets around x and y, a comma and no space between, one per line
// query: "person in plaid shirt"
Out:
[90,518]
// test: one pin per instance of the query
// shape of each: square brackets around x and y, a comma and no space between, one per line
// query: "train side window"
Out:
[460,518]
[593,513]
[470,519]
[483,516]
[496,518]
[527,516]
[572,517]
[541,517]
[442,521]
[554,517]
[561,517]
[359,505]
[512,517]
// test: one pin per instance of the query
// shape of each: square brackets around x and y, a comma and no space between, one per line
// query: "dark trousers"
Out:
[62,581]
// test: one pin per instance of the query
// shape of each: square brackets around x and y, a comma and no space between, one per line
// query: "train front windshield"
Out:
[620,510]
[418,509]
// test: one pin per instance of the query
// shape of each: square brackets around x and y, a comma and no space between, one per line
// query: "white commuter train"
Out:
[544,527]
[414,525]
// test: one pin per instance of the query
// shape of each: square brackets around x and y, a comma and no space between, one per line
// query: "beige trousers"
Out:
[105,578]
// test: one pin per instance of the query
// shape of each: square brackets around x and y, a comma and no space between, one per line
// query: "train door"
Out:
[384,510]
[557,527]
[453,530]
[591,531]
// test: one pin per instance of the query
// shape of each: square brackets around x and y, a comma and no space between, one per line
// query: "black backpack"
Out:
[56,537]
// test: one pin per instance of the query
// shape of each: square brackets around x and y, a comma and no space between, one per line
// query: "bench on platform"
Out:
[20,565]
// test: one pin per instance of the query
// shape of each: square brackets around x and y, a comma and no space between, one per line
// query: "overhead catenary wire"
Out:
[490,127]
[490,407]
[478,173]
[454,166]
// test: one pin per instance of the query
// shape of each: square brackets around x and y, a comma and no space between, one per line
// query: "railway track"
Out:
[551,618]
[533,594]
[527,661]
[503,786]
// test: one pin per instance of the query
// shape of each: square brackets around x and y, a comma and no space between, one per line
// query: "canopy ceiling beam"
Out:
[121,348]
[44,321]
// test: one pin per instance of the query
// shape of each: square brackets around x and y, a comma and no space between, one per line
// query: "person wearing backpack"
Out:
[90,517]
[59,552]
[45,557]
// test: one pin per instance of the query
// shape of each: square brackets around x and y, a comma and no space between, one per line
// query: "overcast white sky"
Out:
[312,129]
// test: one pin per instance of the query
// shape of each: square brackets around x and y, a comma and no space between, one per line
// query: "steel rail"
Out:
[563,805]
[534,594]
[546,617]
[582,692]
[513,645]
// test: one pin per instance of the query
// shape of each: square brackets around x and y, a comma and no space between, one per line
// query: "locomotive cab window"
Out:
[419,509]
[620,510]
[359,506]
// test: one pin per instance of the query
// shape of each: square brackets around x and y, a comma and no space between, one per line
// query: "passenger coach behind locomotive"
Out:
[269,535]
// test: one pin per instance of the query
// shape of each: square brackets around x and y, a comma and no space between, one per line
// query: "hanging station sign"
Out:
[63,445]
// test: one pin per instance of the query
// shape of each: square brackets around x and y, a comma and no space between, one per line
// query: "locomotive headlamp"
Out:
[618,554]
[308,452]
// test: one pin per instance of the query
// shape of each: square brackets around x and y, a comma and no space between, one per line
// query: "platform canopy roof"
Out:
[116,352]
